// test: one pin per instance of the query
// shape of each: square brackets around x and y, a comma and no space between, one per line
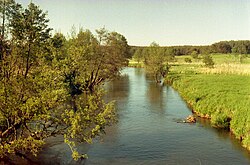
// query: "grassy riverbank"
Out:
[221,93]
[224,98]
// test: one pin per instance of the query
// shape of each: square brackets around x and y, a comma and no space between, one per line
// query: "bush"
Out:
[220,120]
[208,61]
[195,55]
[188,60]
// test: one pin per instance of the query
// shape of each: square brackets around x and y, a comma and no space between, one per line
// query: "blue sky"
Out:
[167,22]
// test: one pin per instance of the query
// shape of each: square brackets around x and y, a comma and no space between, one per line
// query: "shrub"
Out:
[188,60]
[220,120]
[194,54]
[208,61]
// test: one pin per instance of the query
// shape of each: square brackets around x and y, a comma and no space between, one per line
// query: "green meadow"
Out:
[220,94]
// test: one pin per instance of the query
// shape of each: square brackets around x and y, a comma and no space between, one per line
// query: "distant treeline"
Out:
[237,47]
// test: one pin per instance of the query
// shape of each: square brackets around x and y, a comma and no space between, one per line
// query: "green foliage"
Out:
[88,121]
[89,63]
[187,60]
[52,86]
[28,97]
[223,98]
[20,146]
[194,54]
[222,47]
[59,47]
[138,55]
[220,120]
[208,61]
[155,62]
[92,115]
[92,62]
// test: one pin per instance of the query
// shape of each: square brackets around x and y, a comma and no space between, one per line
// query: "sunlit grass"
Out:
[241,69]
[224,64]
[218,59]
[134,63]
[221,93]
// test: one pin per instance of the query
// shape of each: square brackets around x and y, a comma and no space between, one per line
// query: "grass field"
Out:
[223,97]
[224,64]
[218,59]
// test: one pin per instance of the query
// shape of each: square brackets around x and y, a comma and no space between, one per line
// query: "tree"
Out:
[53,86]
[6,8]
[208,61]
[59,49]
[29,99]
[222,47]
[155,62]
[138,55]
[88,120]
[194,54]
[92,63]
[30,32]
[89,63]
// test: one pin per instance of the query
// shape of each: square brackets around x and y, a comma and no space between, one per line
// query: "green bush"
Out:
[220,120]
[208,61]
[188,60]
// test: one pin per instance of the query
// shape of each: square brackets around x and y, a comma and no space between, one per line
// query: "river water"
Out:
[148,132]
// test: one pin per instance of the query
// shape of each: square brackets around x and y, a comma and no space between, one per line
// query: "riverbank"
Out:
[223,98]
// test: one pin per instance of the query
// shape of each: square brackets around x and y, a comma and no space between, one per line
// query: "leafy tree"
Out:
[59,46]
[51,86]
[138,55]
[88,120]
[28,96]
[169,53]
[30,31]
[242,57]
[208,61]
[6,8]
[194,54]
[91,62]
[155,62]
[222,47]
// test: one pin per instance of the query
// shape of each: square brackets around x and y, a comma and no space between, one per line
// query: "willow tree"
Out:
[155,62]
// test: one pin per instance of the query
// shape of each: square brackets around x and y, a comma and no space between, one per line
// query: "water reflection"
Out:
[147,132]
[119,88]
[156,96]
[139,72]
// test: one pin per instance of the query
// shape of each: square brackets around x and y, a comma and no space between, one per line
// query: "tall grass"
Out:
[241,69]
[224,64]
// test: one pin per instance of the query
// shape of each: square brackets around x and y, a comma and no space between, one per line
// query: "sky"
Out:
[166,22]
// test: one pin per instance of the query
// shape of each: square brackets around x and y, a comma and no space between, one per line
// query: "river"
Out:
[148,132]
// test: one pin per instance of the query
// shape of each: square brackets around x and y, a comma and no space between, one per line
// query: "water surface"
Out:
[148,133]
